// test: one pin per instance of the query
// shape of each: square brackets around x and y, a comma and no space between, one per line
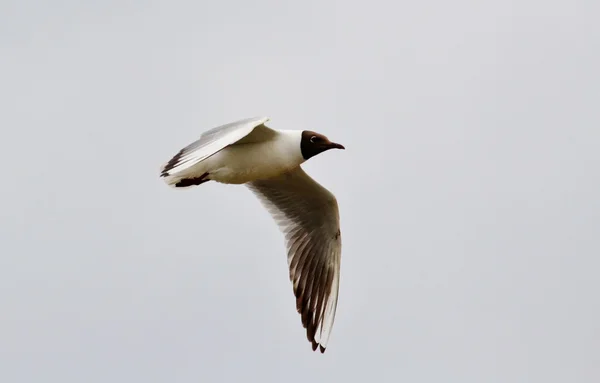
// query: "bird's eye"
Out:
[314,139]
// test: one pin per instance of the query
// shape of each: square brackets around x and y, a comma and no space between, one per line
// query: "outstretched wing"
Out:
[307,214]
[211,142]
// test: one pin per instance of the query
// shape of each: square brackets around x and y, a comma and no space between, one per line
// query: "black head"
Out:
[313,143]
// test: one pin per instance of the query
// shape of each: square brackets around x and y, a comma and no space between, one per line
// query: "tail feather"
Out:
[181,172]
[183,179]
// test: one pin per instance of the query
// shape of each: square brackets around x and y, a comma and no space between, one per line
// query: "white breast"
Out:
[238,164]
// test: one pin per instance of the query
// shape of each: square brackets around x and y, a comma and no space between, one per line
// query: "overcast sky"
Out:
[468,191]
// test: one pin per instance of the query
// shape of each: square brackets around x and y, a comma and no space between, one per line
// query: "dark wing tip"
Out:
[322,349]
[171,164]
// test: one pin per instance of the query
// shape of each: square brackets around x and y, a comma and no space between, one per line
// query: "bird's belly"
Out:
[239,164]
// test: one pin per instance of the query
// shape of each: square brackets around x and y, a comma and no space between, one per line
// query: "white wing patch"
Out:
[209,143]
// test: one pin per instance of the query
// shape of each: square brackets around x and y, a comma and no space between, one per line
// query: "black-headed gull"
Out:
[268,162]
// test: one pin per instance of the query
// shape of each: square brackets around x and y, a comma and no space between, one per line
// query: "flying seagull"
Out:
[268,162]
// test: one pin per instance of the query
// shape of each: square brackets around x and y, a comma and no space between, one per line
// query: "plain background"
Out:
[469,190]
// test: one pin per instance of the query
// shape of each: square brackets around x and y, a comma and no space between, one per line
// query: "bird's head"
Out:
[313,143]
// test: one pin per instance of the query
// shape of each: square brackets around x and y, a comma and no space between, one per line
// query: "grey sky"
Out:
[468,190]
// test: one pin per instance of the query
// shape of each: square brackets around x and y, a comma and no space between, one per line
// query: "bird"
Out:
[268,162]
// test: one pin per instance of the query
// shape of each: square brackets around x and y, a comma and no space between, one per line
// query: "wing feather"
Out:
[308,215]
[211,142]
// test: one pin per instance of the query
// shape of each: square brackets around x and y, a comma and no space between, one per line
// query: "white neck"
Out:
[289,141]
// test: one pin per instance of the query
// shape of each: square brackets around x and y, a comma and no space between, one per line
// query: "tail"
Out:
[182,170]
[182,179]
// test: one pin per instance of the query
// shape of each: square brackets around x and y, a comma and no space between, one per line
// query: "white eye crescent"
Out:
[313,139]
